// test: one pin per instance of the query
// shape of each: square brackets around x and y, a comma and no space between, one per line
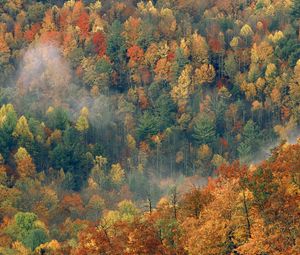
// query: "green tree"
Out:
[295,10]
[57,118]
[148,125]
[295,14]
[250,143]
[231,66]
[181,62]
[25,228]
[165,111]
[71,155]
[35,12]
[204,130]
[116,48]
[35,238]
[288,48]
[7,127]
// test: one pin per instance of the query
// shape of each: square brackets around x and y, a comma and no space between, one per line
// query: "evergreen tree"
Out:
[250,143]
[148,126]
[116,48]
[204,130]
[295,10]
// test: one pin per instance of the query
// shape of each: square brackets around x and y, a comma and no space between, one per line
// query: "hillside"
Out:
[145,127]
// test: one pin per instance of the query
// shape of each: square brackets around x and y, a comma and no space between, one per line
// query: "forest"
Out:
[164,127]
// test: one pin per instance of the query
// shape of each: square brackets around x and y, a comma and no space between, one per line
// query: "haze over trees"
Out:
[138,127]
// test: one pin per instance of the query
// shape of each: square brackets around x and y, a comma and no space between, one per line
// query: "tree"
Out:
[116,50]
[204,74]
[184,88]
[204,130]
[25,165]
[117,174]
[231,66]
[250,143]
[135,54]
[132,28]
[136,59]
[22,130]
[8,120]
[167,24]
[181,62]
[261,53]
[127,210]
[96,73]
[99,170]
[294,90]
[72,205]
[162,70]
[5,67]
[82,123]
[116,43]
[219,229]
[199,49]
[99,41]
[95,207]
[148,125]
[165,111]
[246,31]
[84,24]
[143,239]
[25,228]
[35,238]
[57,118]
[295,13]
[194,201]
[174,201]
[30,34]
[295,10]
[36,12]
[93,241]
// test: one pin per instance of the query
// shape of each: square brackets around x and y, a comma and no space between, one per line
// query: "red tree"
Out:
[30,34]
[99,41]
[84,24]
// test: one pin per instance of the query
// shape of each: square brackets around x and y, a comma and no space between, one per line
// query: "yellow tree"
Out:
[152,55]
[262,53]
[167,24]
[246,31]
[4,50]
[163,69]
[222,222]
[204,74]
[82,123]
[98,176]
[132,30]
[117,174]
[25,165]
[249,90]
[22,129]
[199,49]
[4,111]
[276,37]
[271,72]
[131,143]
[181,92]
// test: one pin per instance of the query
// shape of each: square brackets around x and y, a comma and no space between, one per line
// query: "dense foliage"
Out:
[245,211]
[106,105]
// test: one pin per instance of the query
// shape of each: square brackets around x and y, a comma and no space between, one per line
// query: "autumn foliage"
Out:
[147,127]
